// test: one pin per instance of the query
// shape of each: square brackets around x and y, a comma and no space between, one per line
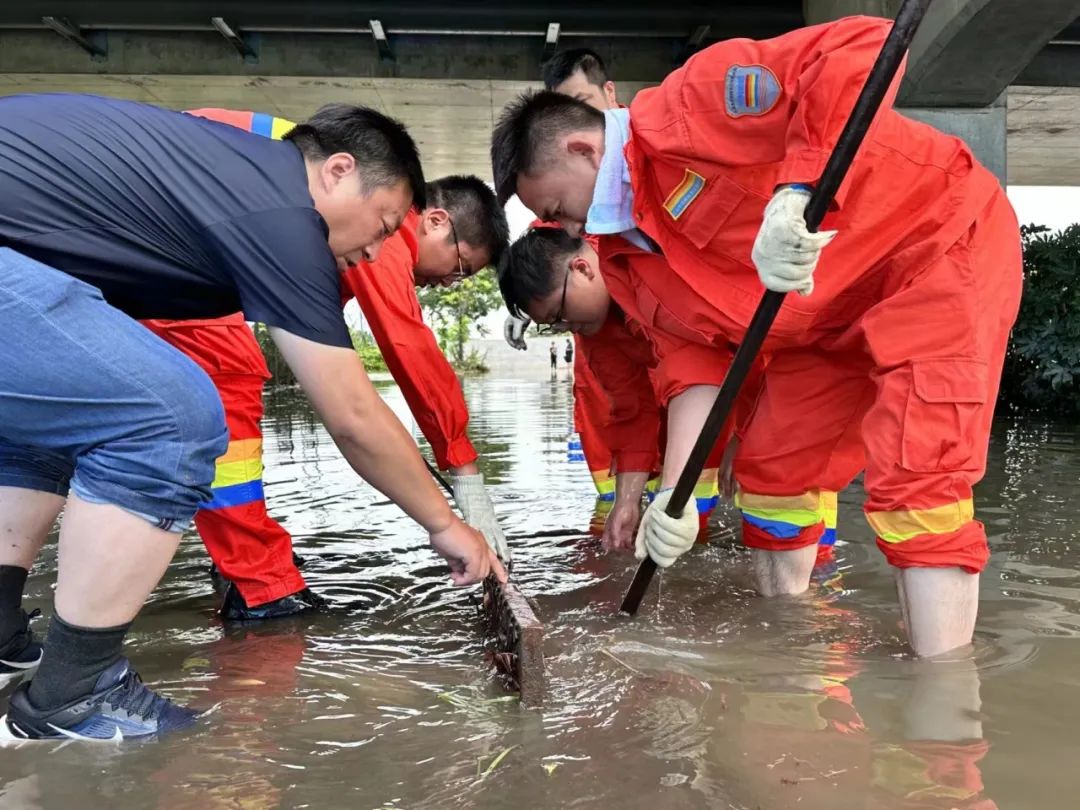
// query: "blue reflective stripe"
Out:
[707,504]
[606,496]
[777,528]
[235,495]
[829,538]
[262,124]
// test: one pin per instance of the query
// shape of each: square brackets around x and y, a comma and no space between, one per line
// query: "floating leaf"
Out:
[495,762]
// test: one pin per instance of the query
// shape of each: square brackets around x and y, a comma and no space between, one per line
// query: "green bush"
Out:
[368,350]
[282,375]
[458,310]
[1042,367]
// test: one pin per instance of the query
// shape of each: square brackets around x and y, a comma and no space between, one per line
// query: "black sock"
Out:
[12,619]
[74,658]
[12,582]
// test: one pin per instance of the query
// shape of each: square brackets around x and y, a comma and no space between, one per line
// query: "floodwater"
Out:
[710,698]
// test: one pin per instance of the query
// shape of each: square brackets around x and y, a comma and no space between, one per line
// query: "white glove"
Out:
[785,253]
[514,331]
[665,538]
[478,511]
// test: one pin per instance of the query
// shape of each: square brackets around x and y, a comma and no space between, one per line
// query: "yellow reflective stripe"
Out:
[238,472]
[829,507]
[791,516]
[807,501]
[241,450]
[241,463]
[604,481]
[707,486]
[896,527]
[797,510]
[280,127]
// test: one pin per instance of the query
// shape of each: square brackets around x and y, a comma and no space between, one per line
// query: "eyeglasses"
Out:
[557,324]
[461,273]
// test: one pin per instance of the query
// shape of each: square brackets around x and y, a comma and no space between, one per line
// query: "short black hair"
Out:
[479,220]
[527,272]
[385,152]
[526,129]
[564,64]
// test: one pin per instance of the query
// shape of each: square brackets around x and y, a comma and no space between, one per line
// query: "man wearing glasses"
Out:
[461,231]
[250,550]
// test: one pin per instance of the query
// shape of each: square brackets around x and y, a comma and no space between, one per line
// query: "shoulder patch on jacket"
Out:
[685,193]
[750,90]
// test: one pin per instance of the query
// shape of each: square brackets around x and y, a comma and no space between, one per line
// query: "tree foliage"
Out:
[1042,368]
[281,373]
[458,310]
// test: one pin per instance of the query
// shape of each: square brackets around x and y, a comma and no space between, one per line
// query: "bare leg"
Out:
[783,573]
[110,560]
[26,518]
[940,606]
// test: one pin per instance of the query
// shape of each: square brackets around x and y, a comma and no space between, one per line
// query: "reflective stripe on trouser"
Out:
[792,522]
[706,491]
[912,406]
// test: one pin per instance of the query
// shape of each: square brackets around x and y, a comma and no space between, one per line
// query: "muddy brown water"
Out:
[710,698]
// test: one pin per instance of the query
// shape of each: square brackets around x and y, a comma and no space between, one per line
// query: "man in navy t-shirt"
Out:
[113,210]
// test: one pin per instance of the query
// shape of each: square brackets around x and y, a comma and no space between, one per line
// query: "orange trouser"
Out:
[592,409]
[907,392]
[246,544]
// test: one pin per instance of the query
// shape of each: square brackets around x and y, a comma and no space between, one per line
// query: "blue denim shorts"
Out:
[91,399]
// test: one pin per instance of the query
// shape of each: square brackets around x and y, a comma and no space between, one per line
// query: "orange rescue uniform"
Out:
[893,362]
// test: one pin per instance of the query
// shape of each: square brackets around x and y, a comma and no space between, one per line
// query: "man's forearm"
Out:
[630,486]
[686,414]
[380,449]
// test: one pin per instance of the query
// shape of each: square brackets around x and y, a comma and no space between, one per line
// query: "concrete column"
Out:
[949,84]
[983,129]
[820,11]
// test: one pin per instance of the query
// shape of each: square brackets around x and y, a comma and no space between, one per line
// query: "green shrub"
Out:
[1042,367]
[368,350]
[282,375]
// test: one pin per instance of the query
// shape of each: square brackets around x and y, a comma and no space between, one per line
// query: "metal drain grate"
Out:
[517,639]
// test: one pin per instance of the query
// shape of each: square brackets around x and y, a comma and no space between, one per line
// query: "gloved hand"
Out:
[514,332]
[665,538]
[478,511]
[785,253]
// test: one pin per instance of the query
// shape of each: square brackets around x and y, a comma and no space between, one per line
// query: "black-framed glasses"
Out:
[461,273]
[557,325]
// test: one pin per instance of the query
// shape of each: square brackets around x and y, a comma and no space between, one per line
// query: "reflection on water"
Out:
[710,698]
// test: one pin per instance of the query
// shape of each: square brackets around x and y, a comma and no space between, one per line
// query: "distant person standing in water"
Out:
[554,357]
[568,352]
